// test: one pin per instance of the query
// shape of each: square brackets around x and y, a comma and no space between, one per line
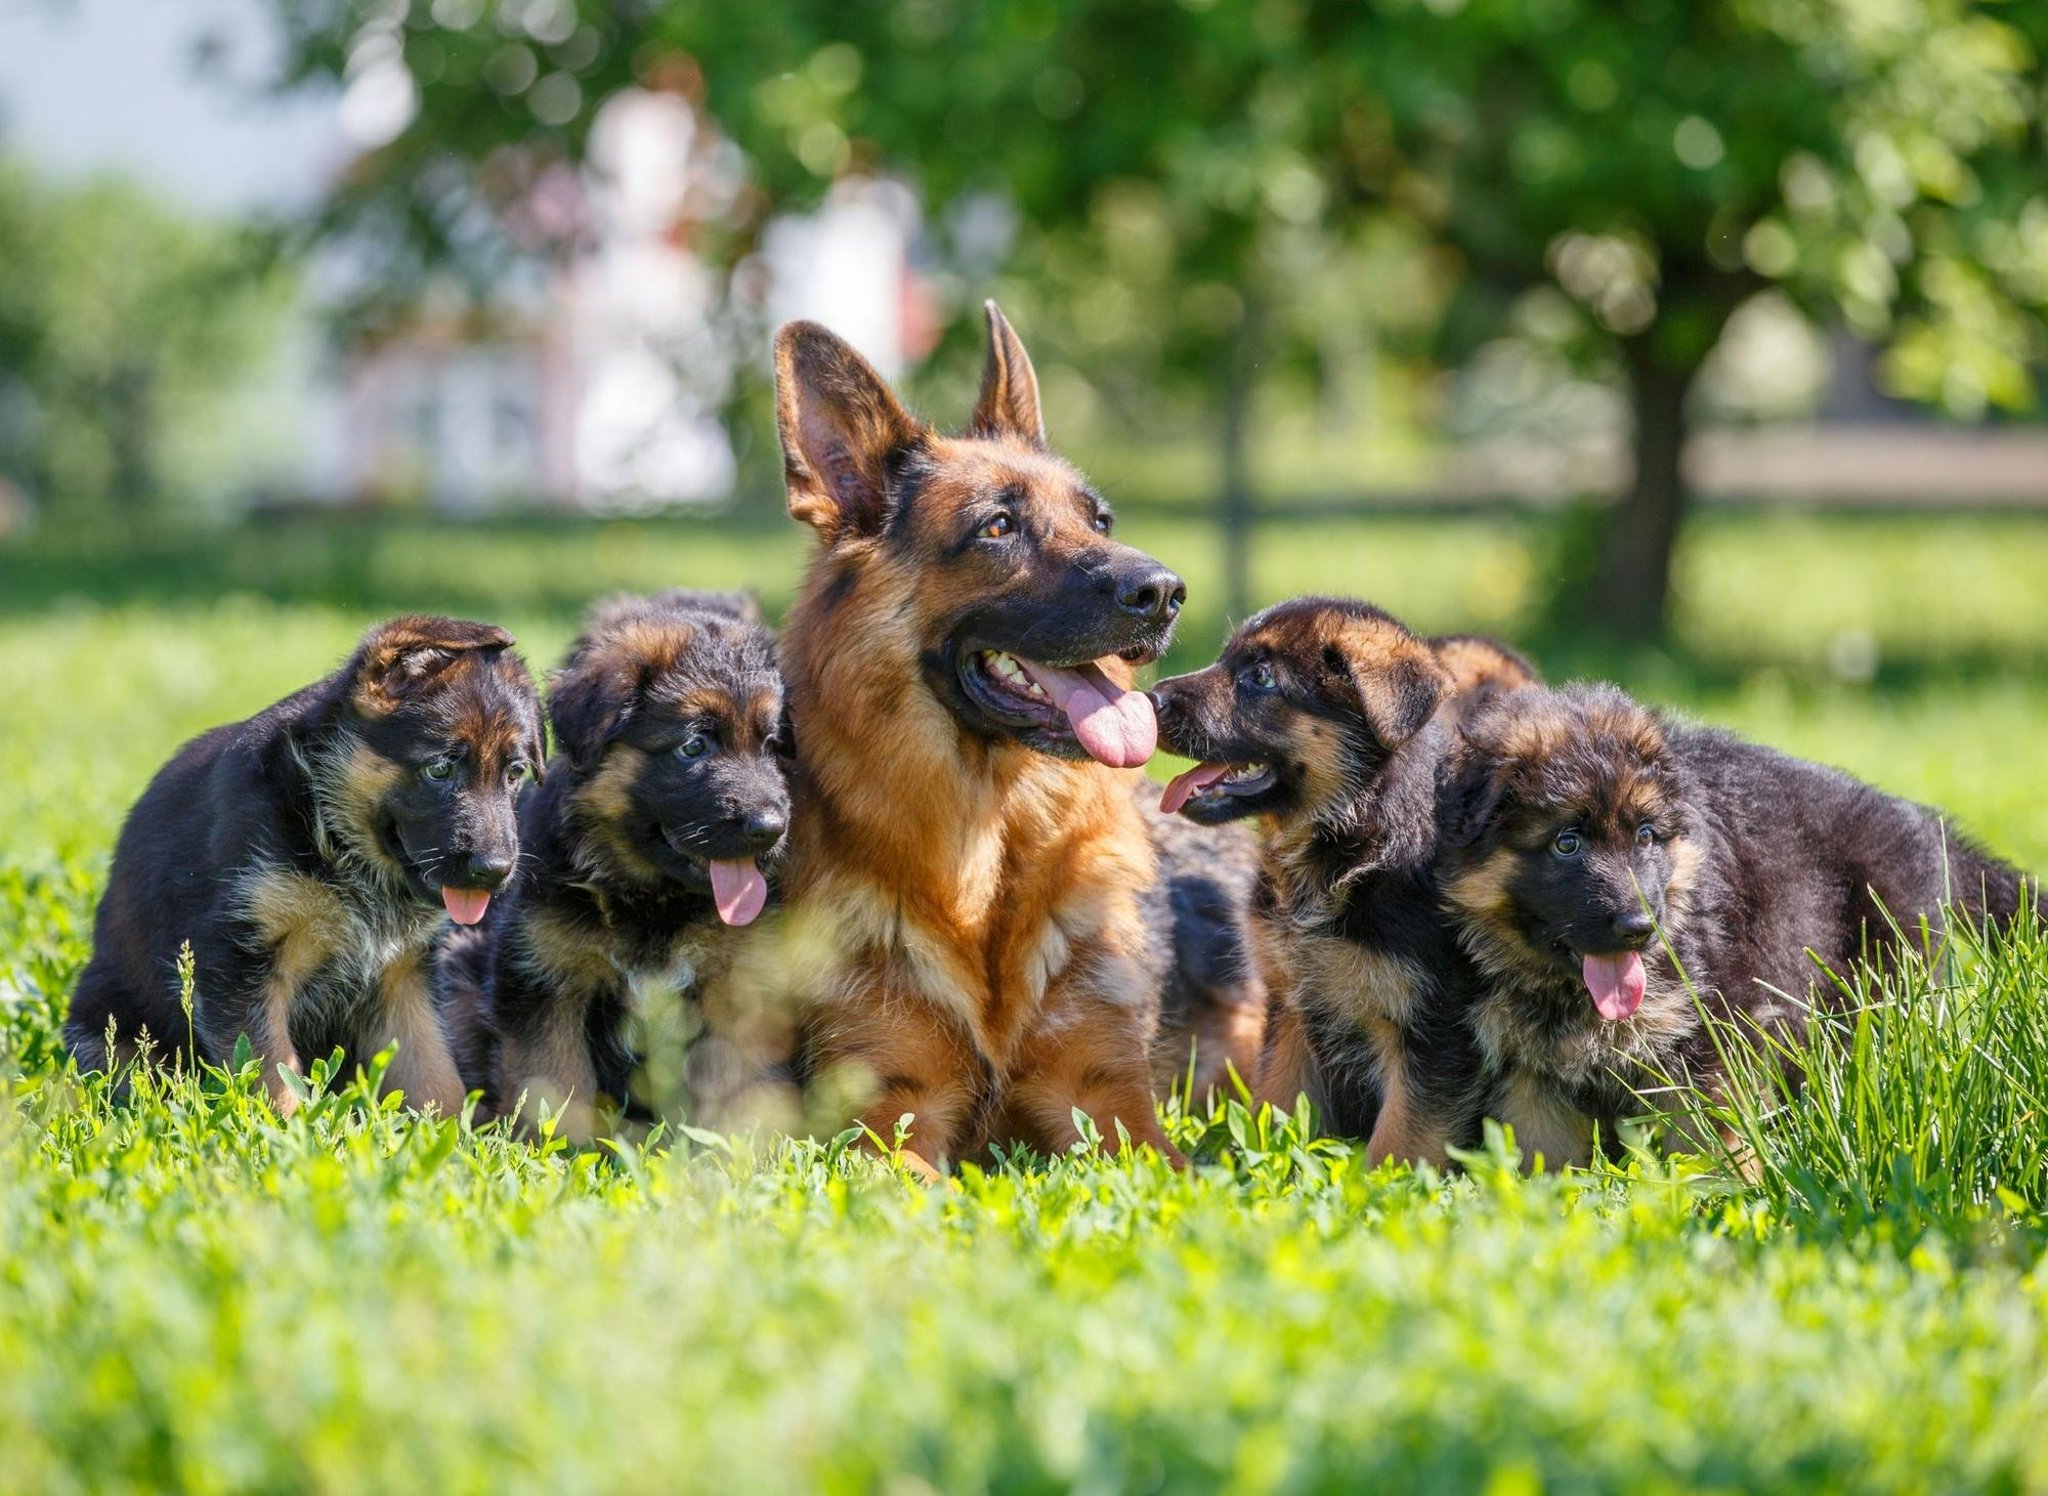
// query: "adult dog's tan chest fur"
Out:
[1008,927]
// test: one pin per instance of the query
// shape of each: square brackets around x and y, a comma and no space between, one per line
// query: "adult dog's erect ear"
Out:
[1009,387]
[841,432]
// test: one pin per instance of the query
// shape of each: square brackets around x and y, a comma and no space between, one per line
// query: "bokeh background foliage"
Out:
[1225,230]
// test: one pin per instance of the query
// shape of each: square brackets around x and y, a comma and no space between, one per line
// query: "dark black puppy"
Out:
[307,855]
[1331,721]
[662,818]
[1198,922]
[1581,825]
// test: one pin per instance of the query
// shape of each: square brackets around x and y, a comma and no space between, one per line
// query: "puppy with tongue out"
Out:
[649,848]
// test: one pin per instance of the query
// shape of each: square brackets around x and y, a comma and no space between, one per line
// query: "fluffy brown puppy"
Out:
[1591,840]
[310,854]
[1330,721]
[648,852]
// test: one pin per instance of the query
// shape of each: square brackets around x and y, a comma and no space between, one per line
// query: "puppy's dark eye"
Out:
[1104,523]
[1646,835]
[440,770]
[1567,844]
[517,774]
[1260,677]
[997,528]
[696,745]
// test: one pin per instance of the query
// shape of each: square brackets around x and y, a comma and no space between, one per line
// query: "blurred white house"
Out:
[595,387]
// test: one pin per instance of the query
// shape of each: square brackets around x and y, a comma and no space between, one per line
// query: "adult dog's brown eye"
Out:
[997,528]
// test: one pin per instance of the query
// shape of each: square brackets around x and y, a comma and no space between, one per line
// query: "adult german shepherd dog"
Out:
[964,919]
[309,855]
[1589,841]
[650,844]
[1332,722]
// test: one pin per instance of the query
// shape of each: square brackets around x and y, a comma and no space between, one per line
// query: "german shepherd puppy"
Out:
[1331,721]
[662,819]
[309,855]
[1581,826]
[1198,911]
[963,905]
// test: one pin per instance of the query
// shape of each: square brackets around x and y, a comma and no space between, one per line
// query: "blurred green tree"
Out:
[119,321]
[1194,183]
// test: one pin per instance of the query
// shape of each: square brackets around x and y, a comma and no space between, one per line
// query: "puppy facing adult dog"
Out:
[1331,721]
[650,845]
[963,917]
[309,855]
[1590,839]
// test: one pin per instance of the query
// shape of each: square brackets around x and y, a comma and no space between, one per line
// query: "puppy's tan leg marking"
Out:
[270,1033]
[553,1067]
[424,1067]
[1545,1123]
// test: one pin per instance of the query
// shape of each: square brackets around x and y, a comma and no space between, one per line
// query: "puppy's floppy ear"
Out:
[1393,674]
[842,431]
[399,658]
[590,699]
[1475,795]
[1009,387]
[1399,700]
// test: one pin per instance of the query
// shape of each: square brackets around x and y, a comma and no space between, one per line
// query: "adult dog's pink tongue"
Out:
[466,905]
[738,889]
[1616,983]
[1114,723]
[1189,783]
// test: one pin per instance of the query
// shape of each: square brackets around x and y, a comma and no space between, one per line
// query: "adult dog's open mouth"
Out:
[1213,783]
[1113,723]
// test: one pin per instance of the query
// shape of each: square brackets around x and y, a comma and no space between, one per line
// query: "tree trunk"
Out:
[1631,581]
[1234,504]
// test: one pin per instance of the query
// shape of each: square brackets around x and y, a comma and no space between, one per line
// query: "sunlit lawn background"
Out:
[194,1295]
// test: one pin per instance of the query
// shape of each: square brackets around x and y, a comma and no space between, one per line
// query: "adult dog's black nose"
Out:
[1153,594]
[762,829]
[479,870]
[1634,929]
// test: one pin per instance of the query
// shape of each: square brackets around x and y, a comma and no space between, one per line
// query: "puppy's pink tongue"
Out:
[1616,983]
[738,889]
[1114,723]
[466,905]
[1189,783]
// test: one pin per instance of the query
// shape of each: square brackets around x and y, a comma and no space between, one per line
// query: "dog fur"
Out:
[1580,822]
[1352,717]
[670,751]
[303,854]
[963,923]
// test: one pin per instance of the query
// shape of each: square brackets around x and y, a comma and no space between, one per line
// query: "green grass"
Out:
[194,1295]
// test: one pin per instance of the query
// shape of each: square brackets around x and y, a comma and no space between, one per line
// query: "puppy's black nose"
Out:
[1634,929]
[481,870]
[1153,594]
[763,829]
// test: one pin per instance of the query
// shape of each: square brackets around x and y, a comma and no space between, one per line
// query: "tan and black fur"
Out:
[669,752]
[1580,823]
[1198,914]
[963,919]
[303,853]
[1336,721]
